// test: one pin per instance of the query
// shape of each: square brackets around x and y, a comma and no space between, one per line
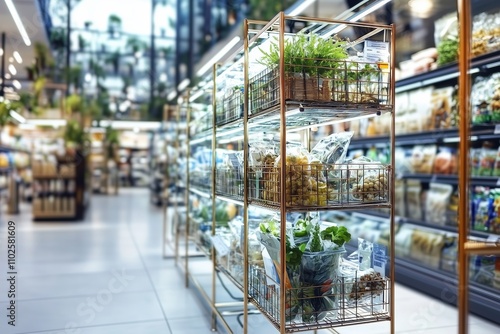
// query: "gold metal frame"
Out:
[250,36]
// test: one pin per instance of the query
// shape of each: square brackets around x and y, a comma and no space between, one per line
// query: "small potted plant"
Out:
[309,63]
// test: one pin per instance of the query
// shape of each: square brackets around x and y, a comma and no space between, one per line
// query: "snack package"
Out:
[413,196]
[422,158]
[419,107]
[332,149]
[441,108]
[445,161]
[475,159]
[403,240]
[481,94]
[487,159]
[448,261]
[426,247]
[403,162]
[436,205]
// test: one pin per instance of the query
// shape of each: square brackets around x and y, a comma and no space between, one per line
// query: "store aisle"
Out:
[107,275]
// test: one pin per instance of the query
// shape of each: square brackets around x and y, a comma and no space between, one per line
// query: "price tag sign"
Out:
[497,129]
[376,51]
[494,239]
[498,182]
[220,246]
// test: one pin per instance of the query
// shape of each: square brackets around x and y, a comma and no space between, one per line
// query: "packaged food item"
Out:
[403,161]
[413,204]
[422,158]
[475,159]
[452,210]
[487,159]
[441,108]
[399,198]
[482,209]
[481,93]
[426,247]
[332,149]
[448,261]
[438,198]
[445,161]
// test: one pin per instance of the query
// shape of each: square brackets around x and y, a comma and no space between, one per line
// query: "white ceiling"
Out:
[29,13]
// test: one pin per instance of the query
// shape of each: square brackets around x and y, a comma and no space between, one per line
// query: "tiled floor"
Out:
[106,275]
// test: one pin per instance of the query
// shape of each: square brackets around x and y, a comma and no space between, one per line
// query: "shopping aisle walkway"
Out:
[106,275]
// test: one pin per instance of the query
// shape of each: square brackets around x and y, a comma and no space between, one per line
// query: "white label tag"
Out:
[376,51]
[220,246]
[497,129]
[498,182]
[493,239]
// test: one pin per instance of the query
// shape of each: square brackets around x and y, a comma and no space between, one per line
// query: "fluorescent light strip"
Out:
[172,95]
[184,83]
[218,56]
[12,69]
[196,95]
[300,8]
[18,58]
[17,117]
[357,17]
[18,22]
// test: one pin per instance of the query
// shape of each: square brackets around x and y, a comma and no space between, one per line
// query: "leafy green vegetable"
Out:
[447,51]
[316,245]
[270,226]
[294,254]
[301,228]
[337,234]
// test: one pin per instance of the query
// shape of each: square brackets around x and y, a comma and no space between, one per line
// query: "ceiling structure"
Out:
[30,15]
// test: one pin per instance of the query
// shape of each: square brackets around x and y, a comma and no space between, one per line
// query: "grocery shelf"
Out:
[483,63]
[200,192]
[304,114]
[438,136]
[486,181]
[445,228]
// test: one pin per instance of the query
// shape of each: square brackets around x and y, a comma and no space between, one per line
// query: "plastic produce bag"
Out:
[332,149]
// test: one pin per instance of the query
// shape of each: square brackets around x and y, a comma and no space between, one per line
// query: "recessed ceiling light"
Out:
[18,58]
[12,69]
[11,60]
[16,84]
[7,76]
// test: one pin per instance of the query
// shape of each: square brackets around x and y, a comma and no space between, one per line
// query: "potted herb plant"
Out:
[309,60]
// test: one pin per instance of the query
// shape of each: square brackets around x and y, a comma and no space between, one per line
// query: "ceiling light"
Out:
[11,59]
[172,95]
[218,56]
[18,22]
[18,58]
[184,83]
[300,8]
[7,76]
[421,8]
[1,52]
[16,84]
[12,69]
[361,14]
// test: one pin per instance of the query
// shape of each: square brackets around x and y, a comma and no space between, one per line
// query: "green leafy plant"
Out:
[74,104]
[337,234]
[74,133]
[308,54]
[294,254]
[315,243]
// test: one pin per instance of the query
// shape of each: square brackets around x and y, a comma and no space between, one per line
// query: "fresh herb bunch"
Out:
[316,244]
[269,226]
[336,234]
[307,53]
